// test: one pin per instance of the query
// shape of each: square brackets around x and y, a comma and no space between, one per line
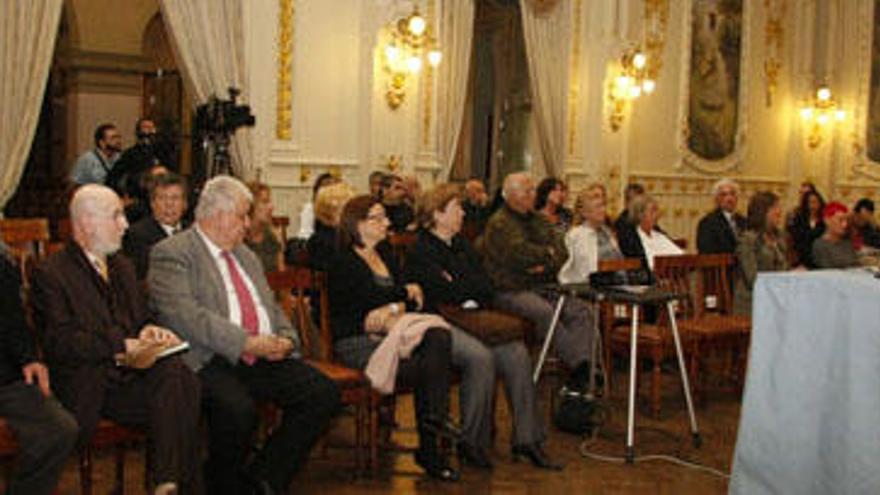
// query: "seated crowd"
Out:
[114,297]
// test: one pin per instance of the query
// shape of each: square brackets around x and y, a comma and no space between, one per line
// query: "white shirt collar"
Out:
[215,251]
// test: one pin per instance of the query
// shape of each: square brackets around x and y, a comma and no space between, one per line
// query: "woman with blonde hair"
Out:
[322,244]
[260,237]
[590,240]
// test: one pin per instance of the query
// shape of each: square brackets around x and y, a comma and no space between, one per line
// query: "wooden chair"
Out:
[110,434]
[715,331]
[292,287]
[401,242]
[8,448]
[26,238]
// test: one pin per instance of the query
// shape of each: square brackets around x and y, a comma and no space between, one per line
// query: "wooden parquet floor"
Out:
[330,472]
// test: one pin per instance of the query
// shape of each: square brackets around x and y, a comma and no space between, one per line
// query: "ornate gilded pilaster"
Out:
[428,83]
[774,42]
[574,76]
[284,110]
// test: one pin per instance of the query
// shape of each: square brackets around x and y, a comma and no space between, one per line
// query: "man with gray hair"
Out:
[102,349]
[718,231]
[207,284]
[522,251]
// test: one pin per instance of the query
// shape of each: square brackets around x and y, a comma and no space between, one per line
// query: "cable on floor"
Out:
[585,452]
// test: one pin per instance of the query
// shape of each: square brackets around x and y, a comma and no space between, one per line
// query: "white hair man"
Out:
[207,284]
[100,344]
[718,231]
[521,251]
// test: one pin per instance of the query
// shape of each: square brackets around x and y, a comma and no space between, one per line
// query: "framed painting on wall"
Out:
[873,121]
[714,79]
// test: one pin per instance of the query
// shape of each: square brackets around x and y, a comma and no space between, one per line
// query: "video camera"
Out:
[223,116]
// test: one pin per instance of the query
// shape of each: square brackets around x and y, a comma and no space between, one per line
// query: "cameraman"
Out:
[126,177]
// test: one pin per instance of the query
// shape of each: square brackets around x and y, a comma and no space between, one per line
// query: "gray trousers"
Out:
[478,365]
[46,433]
[573,339]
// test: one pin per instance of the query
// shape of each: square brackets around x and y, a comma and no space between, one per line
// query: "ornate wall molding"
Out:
[284,110]
[774,42]
[574,77]
[689,159]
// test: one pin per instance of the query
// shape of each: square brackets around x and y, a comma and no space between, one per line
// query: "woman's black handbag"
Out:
[490,326]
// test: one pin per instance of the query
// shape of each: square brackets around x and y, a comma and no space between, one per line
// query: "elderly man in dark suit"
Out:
[45,431]
[207,284]
[100,345]
[167,204]
[718,231]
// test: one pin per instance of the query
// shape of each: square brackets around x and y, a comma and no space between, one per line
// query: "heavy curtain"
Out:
[27,42]
[457,30]
[208,41]
[547,32]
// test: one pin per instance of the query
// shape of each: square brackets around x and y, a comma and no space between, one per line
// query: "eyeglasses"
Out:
[377,217]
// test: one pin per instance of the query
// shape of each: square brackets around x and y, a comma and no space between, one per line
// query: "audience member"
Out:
[93,166]
[98,340]
[168,204]
[375,182]
[590,240]
[864,226]
[149,150]
[260,237]
[367,297]
[207,285]
[323,244]
[623,222]
[447,267]
[45,431]
[645,241]
[307,215]
[399,212]
[761,248]
[717,231]
[476,208]
[550,203]
[834,249]
[413,189]
[806,226]
[522,251]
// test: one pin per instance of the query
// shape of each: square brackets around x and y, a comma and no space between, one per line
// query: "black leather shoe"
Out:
[435,467]
[536,455]
[443,427]
[473,456]
[262,487]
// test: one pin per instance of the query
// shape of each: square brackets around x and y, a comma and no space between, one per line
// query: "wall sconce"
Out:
[632,81]
[820,113]
[411,44]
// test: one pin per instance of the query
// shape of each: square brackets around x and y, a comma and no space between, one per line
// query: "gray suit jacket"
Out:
[188,296]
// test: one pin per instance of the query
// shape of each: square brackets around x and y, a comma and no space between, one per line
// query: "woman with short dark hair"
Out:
[550,203]
[806,226]
[366,299]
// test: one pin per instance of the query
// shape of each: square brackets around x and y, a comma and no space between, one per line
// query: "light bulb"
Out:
[806,113]
[392,53]
[840,115]
[823,93]
[417,25]
[822,118]
[648,86]
[414,64]
[635,91]
[639,60]
[623,82]
[434,57]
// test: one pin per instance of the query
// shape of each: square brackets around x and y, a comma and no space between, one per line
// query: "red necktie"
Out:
[249,320]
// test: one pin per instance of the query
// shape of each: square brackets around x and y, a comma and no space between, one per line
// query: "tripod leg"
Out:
[594,352]
[548,339]
[631,406]
[684,375]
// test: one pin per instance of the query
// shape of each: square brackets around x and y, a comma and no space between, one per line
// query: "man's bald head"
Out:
[98,219]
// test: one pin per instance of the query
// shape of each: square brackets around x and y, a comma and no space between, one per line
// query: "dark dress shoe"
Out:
[473,456]
[443,427]
[436,467]
[536,455]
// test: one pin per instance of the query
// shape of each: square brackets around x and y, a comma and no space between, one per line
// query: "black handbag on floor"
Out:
[578,413]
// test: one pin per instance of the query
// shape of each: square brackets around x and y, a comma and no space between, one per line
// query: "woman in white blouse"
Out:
[590,240]
[645,241]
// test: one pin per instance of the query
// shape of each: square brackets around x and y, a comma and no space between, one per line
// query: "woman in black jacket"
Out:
[448,268]
[366,296]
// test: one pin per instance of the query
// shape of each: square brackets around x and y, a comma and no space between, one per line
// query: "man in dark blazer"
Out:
[167,204]
[718,231]
[93,321]
[208,285]
[46,432]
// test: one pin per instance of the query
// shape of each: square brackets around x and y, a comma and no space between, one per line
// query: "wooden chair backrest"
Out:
[26,238]
[701,277]
[620,264]
[293,287]
[401,242]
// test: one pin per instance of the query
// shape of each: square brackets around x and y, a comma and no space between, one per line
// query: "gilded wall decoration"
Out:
[714,78]
[774,42]
[284,77]
[872,130]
